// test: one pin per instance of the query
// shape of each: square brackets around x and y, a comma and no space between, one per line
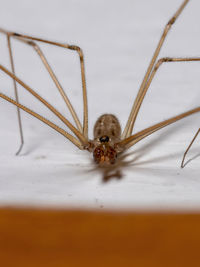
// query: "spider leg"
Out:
[25,39]
[57,83]
[16,95]
[155,69]
[49,123]
[80,136]
[130,123]
[183,160]
[132,140]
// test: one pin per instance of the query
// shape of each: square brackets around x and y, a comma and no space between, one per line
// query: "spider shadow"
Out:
[191,159]
[113,171]
[36,142]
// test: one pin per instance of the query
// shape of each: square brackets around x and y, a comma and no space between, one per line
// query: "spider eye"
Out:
[104,139]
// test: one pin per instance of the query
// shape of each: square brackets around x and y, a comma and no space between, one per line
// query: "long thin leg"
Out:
[57,83]
[80,136]
[16,96]
[55,80]
[182,163]
[132,140]
[130,123]
[82,65]
[156,67]
[49,123]
[52,74]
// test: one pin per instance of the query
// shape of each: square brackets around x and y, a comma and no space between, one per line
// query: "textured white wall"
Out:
[118,39]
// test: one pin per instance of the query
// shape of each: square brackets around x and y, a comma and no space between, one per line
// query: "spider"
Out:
[109,141]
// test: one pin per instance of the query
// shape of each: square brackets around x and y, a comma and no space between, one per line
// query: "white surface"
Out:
[118,39]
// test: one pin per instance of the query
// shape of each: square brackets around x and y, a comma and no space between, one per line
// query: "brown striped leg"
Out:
[130,123]
[183,160]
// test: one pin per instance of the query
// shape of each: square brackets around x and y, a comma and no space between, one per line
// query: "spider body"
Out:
[107,132]
[108,140]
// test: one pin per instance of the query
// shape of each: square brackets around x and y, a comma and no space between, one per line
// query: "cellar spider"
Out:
[188,148]
[109,141]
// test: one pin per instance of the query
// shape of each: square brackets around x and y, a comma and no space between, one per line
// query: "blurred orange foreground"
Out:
[31,237]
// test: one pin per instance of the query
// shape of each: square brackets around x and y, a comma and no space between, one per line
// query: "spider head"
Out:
[104,154]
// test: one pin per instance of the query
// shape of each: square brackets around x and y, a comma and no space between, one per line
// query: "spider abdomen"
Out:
[107,129]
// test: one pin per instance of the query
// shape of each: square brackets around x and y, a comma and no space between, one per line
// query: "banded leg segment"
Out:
[133,114]
[194,138]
